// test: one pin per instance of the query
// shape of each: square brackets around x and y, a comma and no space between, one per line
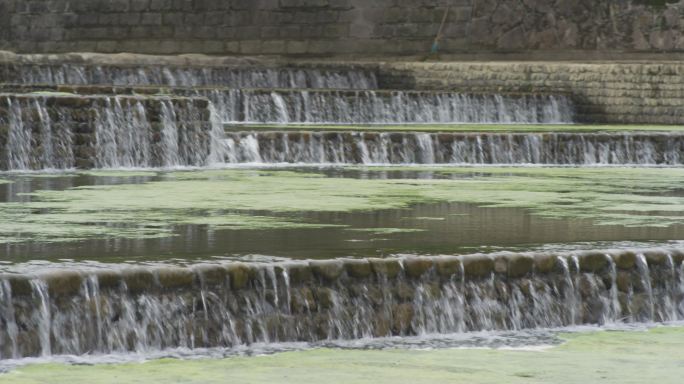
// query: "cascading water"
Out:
[228,305]
[387,107]
[234,77]
[64,132]
[455,148]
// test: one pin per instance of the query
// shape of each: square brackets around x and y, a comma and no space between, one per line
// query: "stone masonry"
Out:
[324,27]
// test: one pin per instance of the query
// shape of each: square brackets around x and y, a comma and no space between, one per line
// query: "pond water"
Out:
[317,213]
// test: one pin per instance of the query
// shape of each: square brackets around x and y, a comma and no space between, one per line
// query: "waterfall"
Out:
[146,309]
[232,77]
[340,147]
[122,135]
[65,132]
[388,107]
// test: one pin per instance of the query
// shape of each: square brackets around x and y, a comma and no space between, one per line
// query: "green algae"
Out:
[463,128]
[606,357]
[268,199]
[386,231]
[106,173]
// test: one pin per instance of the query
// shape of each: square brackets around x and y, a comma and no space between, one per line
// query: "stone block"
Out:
[328,270]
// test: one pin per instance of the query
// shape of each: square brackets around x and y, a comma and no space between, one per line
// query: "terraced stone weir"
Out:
[258,76]
[146,309]
[67,131]
[388,107]
[454,148]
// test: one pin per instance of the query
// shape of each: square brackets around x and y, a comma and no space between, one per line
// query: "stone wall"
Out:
[619,92]
[60,131]
[314,27]
[145,308]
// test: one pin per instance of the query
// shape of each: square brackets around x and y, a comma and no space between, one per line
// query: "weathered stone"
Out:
[63,283]
[501,264]
[387,268]
[212,274]
[478,266]
[623,281]
[544,264]
[520,265]
[240,274]
[324,298]
[416,267]
[403,291]
[448,266]
[328,270]
[677,257]
[358,268]
[20,285]
[109,279]
[175,277]
[593,262]
[657,258]
[625,260]
[138,280]
[402,315]
[299,273]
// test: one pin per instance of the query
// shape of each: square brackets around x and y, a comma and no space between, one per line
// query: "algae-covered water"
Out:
[325,212]
[594,357]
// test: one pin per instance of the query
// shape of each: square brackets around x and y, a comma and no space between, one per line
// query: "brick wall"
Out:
[310,27]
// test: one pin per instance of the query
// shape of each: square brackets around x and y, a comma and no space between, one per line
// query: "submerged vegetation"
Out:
[270,198]
[606,357]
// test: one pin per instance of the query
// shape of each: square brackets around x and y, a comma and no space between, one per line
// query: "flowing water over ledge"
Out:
[210,304]
[68,131]
[173,76]
[148,309]
[454,148]
[387,107]
[61,131]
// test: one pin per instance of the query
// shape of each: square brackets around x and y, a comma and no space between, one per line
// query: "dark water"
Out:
[434,228]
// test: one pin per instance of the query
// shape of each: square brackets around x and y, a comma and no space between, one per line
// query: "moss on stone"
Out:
[358,268]
[656,258]
[478,266]
[138,280]
[544,264]
[593,262]
[20,285]
[328,270]
[212,274]
[63,283]
[388,268]
[625,260]
[415,267]
[239,275]
[299,273]
[448,266]
[520,266]
[109,279]
[175,277]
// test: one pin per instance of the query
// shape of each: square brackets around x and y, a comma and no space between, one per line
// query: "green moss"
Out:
[605,357]
[106,173]
[386,231]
